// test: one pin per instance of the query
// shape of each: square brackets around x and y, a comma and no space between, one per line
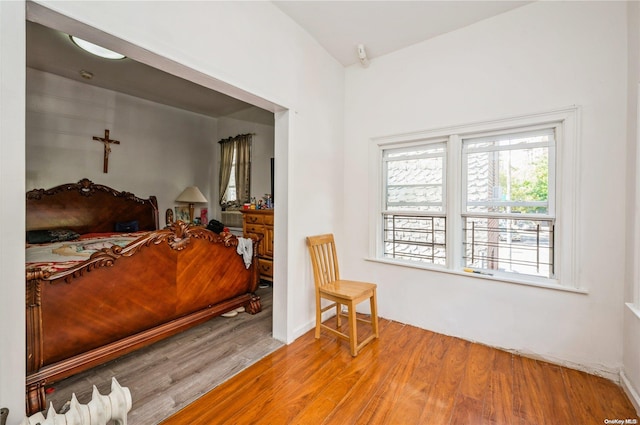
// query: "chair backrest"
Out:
[322,249]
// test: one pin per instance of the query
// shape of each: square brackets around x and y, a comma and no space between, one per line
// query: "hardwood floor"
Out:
[408,376]
[170,374]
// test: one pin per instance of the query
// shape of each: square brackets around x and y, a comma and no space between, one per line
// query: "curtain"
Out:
[226,163]
[239,145]
[243,168]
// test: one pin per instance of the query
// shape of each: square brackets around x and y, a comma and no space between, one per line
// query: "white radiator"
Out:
[232,218]
[99,411]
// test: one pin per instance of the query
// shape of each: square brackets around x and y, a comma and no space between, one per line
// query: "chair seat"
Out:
[348,289]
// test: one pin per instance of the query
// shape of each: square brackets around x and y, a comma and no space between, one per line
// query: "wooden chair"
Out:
[340,292]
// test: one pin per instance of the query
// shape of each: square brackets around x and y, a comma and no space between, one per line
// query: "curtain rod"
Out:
[228,139]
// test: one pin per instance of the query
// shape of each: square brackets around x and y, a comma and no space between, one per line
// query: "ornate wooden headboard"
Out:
[86,207]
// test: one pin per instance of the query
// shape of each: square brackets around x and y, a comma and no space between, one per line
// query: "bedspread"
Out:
[55,257]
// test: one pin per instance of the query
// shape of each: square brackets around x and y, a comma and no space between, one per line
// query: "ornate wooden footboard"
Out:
[124,298]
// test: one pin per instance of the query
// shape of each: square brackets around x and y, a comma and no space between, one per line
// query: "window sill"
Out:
[525,282]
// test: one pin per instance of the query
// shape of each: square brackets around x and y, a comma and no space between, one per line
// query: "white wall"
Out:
[162,149]
[231,47]
[539,57]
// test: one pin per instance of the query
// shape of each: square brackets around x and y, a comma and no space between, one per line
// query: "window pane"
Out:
[508,175]
[230,194]
[231,187]
[509,245]
[413,196]
[415,238]
[415,179]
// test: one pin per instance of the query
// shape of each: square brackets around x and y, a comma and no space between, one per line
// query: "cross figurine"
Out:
[107,148]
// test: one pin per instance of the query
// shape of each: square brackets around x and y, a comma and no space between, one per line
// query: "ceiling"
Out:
[385,26]
[52,51]
[339,26]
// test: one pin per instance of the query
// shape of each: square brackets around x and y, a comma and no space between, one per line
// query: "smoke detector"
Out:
[362,56]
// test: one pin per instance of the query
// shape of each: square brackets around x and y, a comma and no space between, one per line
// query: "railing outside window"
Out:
[413,237]
[509,245]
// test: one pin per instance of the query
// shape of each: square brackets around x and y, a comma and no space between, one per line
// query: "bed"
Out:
[125,284]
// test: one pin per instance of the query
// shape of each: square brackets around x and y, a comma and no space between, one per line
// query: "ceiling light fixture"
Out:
[95,49]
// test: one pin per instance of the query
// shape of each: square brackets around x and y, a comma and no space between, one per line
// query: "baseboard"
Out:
[311,324]
[301,330]
[631,392]
[612,374]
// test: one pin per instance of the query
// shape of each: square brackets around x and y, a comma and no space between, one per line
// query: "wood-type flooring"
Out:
[230,371]
[172,373]
[408,376]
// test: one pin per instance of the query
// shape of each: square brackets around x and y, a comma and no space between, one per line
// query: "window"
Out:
[508,192]
[229,196]
[235,171]
[414,217]
[482,198]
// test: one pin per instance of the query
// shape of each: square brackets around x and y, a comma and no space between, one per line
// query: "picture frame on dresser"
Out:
[204,216]
[168,216]
[182,213]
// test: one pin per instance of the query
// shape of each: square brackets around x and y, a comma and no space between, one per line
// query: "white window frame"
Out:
[567,215]
[553,128]
[442,213]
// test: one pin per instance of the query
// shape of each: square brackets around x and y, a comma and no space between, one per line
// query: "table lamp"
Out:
[191,195]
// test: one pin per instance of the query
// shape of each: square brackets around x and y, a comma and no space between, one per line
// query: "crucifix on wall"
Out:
[107,148]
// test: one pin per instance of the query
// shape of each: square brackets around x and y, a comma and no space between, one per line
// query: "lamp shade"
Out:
[191,195]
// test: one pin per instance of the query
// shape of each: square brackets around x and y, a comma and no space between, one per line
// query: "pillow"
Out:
[215,226]
[53,235]
[127,226]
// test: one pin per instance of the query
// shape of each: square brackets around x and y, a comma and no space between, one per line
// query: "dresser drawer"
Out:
[258,229]
[268,220]
[253,219]
[265,267]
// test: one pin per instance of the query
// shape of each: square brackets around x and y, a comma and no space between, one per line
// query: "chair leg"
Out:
[353,330]
[374,313]
[338,315]
[318,316]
